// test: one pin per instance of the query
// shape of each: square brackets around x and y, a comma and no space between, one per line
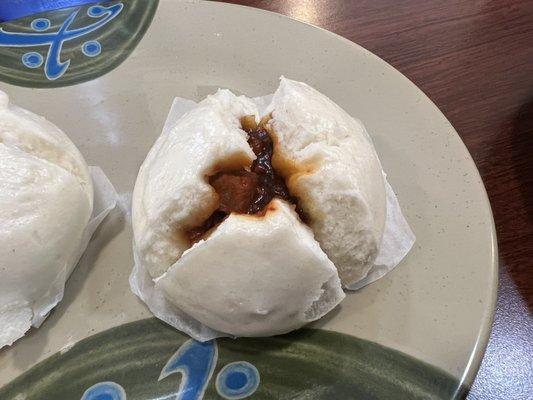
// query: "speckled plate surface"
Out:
[417,333]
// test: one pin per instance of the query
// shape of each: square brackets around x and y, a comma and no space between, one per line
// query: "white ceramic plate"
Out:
[436,306]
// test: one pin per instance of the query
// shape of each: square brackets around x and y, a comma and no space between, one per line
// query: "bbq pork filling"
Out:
[248,190]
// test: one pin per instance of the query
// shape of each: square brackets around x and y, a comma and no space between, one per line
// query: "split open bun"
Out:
[281,266]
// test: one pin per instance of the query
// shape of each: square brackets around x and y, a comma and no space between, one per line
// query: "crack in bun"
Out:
[266,270]
[330,165]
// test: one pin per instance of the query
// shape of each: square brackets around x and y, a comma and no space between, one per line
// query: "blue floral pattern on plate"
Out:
[195,361]
[54,68]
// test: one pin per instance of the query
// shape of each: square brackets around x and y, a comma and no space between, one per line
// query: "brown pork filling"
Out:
[247,192]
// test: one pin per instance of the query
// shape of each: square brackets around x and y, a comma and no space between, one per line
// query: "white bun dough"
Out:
[255,275]
[330,164]
[172,194]
[260,275]
[46,200]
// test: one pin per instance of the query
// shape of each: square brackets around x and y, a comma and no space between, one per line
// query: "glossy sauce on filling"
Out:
[247,191]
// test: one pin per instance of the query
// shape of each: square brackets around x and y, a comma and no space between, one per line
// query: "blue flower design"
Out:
[32,60]
[105,391]
[54,68]
[91,49]
[40,24]
[195,362]
[237,380]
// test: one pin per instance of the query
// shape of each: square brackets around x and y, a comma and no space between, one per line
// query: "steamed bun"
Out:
[331,166]
[255,275]
[267,272]
[46,200]
[171,193]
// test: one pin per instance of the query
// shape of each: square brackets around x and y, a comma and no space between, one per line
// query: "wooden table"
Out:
[474,59]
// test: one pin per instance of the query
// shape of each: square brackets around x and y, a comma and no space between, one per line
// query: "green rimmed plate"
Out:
[436,307]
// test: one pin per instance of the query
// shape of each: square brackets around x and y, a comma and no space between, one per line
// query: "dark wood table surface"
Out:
[474,59]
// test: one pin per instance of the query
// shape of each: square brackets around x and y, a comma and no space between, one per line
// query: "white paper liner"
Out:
[398,239]
[16,321]
[143,286]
